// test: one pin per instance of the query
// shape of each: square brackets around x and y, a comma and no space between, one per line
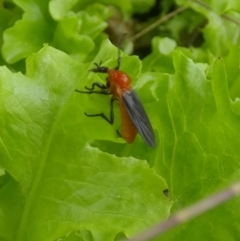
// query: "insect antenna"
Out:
[119,60]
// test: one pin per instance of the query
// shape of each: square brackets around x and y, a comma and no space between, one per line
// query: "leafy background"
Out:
[64,176]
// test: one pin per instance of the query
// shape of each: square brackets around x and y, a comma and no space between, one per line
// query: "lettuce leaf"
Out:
[60,181]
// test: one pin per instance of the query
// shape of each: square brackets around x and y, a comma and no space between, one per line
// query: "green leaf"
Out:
[219,7]
[142,6]
[185,28]
[67,37]
[78,236]
[75,33]
[216,39]
[65,176]
[220,31]
[18,40]
[58,182]
[232,61]
[220,34]
[60,8]
[160,59]
[9,13]
[199,142]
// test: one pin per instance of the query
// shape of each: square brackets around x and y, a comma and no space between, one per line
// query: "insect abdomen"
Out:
[128,130]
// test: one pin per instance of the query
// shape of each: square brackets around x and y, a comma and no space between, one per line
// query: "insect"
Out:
[134,118]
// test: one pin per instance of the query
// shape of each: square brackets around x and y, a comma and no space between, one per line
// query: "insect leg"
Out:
[109,120]
[94,92]
[97,84]
[119,60]
[118,132]
[104,89]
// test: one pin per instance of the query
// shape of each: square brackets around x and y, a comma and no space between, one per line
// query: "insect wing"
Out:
[139,116]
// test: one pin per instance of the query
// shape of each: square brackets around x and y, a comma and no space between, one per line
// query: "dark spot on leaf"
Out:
[166,193]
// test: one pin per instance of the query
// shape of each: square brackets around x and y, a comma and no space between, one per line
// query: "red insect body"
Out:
[119,82]
[134,119]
